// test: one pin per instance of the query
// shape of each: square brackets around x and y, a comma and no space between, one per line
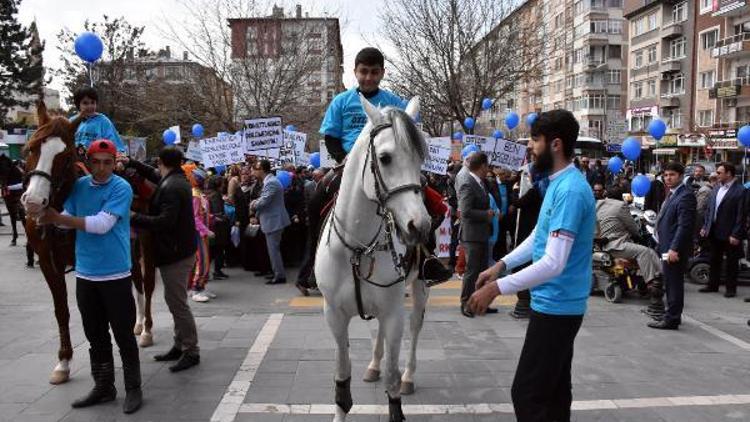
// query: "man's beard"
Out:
[544,161]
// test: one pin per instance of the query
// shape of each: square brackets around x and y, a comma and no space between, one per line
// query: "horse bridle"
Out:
[55,185]
[383,194]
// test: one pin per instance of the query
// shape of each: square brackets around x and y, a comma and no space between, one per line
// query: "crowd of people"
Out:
[528,232]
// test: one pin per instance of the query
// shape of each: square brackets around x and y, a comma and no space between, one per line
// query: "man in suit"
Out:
[674,232]
[618,228]
[273,217]
[724,226]
[476,223]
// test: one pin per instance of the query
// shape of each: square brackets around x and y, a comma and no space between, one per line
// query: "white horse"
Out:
[360,265]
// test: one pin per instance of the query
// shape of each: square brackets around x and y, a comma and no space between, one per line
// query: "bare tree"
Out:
[270,66]
[454,53]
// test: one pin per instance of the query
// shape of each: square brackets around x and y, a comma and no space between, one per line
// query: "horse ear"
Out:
[373,114]
[412,109]
[42,116]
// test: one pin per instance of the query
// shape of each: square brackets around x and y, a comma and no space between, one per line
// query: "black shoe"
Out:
[98,395]
[103,372]
[13,242]
[466,312]
[131,373]
[188,360]
[262,273]
[491,311]
[276,281]
[517,314]
[747,300]
[664,325]
[173,354]
[133,401]
[708,290]
[730,293]
[220,275]
[302,289]
[269,276]
[435,273]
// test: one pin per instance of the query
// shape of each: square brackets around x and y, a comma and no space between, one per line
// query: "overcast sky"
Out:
[359,17]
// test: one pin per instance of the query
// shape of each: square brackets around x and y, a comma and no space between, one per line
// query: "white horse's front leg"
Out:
[393,324]
[373,369]
[420,293]
[339,325]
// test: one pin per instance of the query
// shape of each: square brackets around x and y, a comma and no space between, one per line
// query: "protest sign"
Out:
[438,153]
[176,130]
[263,133]
[295,143]
[506,154]
[193,152]
[222,150]
[443,236]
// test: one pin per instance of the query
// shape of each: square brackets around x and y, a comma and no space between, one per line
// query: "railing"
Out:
[741,81]
[745,36]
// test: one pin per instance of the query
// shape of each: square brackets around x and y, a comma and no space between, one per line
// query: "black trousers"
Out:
[217,252]
[476,262]
[733,253]
[105,304]
[673,276]
[542,389]
[454,242]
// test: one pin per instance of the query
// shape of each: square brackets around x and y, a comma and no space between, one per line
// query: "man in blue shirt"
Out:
[99,209]
[345,116]
[94,125]
[560,277]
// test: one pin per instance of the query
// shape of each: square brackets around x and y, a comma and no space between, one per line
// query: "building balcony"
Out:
[670,65]
[671,30]
[727,8]
[670,101]
[734,46]
[731,88]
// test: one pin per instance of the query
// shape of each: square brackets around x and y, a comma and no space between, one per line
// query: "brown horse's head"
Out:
[50,162]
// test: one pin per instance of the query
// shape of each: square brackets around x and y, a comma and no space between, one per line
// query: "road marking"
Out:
[235,394]
[718,333]
[490,408]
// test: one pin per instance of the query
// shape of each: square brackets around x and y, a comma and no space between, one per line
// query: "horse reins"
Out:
[383,194]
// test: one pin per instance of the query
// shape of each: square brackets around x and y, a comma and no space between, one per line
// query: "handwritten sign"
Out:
[263,133]
[443,236]
[504,153]
[438,153]
[222,150]
[295,143]
[193,152]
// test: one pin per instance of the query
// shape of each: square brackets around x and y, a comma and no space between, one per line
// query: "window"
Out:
[614,51]
[677,84]
[707,79]
[614,3]
[615,27]
[651,91]
[578,7]
[599,27]
[652,21]
[742,71]
[558,20]
[679,13]
[613,77]
[707,6]
[708,39]
[637,90]
[674,118]
[677,48]
[613,102]
[172,73]
[705,118]
[742,28]
[639,27]
[652,54]
[130,74]
[638,59]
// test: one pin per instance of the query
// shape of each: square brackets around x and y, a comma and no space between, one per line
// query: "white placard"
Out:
[438,153]
[176,130]
[263,133]
[193,152]
[295,143]
[326,161]
[222,150]
[443,237]
[504,153]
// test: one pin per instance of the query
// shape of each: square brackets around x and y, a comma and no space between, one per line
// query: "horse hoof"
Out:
[138,329]
[407,388]
[59,377]
[371,375]
[146,340]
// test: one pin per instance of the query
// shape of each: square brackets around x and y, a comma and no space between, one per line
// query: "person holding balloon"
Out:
[94,125]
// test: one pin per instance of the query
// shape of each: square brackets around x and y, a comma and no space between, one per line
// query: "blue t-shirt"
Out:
[96,127]
[346,117]
[568,206]
[101,255]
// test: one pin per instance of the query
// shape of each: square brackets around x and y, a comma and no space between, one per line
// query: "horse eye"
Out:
[385,159]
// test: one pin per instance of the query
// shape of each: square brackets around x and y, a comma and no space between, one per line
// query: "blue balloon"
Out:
[469,123]
[511,120]
[486,104]
[197,130]
[469,149]
[640,185]
[458,135]
[531,118]
[291,128]
[284,177]
[657,129]
[315,159]
[169,137]
[614,164]
[631,149]
[89,47]
[497,134]
[220,169]
[743,135]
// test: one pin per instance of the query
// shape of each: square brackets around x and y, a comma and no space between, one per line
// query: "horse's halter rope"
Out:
[383,194]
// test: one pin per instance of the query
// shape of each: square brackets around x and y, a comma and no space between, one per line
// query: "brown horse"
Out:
[53,166]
